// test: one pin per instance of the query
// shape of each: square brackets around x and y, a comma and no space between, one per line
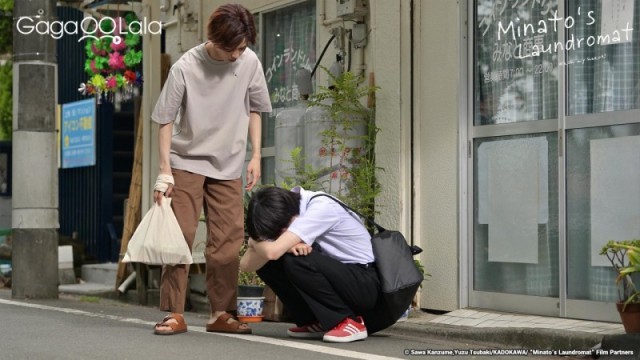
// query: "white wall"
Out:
[389,62]
[437,45]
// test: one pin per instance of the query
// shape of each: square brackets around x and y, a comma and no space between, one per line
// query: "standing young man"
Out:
[218,91]
[317,258]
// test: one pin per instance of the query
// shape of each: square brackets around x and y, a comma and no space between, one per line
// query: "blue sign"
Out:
[78,134]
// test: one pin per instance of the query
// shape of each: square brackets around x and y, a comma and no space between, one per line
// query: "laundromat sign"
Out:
[78,134]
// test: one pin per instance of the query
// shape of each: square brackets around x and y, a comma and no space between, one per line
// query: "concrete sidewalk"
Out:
[505,330]
[533,332]
[526,332]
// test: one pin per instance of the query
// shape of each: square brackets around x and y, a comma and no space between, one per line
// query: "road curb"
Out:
[525,338]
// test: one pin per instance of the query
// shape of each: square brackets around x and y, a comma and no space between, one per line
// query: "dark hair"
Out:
[229,25]
[270,210]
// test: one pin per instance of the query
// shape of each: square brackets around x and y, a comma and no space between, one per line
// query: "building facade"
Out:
[510,132]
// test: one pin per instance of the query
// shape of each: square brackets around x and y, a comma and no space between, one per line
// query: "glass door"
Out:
[514,161]
[602,149]
[554,152]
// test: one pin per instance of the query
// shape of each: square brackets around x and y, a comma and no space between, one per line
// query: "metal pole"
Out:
[35,168]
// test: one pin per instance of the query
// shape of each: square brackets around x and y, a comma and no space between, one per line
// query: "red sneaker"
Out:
[311,331]
[347,331]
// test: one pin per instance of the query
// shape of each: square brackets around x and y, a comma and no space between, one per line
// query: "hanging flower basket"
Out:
[113,56]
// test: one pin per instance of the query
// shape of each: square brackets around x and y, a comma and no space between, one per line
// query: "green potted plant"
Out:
[249,283]
[624,257]
[250,294]
[342,161]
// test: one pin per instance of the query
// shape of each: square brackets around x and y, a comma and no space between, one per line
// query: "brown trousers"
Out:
[224,213]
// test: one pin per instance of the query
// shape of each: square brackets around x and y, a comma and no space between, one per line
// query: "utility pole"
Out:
[35,167]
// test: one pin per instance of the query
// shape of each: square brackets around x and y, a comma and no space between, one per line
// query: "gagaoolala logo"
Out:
[89,28]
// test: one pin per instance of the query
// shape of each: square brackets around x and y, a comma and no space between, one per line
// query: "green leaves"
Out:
[352,169]
[6,100]
[132,58]
[634,256]
[305,175]
[6,77]
[624,257]
[245,277]
[6,26]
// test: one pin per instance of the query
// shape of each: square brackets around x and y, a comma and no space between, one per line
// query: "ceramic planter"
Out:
[250,309]
[630,317]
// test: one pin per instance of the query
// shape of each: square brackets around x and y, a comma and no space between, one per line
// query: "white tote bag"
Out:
[158,239]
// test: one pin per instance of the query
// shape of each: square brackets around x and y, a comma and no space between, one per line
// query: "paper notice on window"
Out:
[615,193]
[513,205]
[515,148]
[617,19]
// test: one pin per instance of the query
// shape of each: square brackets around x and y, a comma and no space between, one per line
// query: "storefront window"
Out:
[515,55]
[603,203]
[289,43]
[603,65]
[516,215]
[578,170]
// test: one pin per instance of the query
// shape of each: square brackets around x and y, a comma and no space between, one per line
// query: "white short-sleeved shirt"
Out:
[339,233]
[213,100]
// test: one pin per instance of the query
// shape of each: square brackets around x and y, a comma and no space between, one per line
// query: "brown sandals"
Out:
[176,328]
[222,325]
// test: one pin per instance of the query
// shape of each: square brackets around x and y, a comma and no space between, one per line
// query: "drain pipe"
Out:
[125,284]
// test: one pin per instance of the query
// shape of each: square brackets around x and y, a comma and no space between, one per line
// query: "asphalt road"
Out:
[75,327]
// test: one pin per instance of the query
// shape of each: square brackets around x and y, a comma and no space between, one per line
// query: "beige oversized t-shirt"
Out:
[213,100]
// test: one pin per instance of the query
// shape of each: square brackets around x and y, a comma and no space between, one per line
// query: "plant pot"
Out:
[250,291]
[250,309]
[630,317]
[250,319]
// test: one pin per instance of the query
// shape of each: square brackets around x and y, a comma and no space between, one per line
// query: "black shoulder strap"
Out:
[346,207]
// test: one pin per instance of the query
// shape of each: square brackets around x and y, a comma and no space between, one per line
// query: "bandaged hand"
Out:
[162,182]
[162,187]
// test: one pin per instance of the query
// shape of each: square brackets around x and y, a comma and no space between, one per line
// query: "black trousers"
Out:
[319,288]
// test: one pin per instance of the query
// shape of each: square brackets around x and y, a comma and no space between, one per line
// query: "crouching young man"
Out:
[317,258]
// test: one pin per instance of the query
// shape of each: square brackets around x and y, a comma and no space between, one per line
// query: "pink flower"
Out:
[120,44]
[116,61]
[112,83]
[322,152]
[93,67]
